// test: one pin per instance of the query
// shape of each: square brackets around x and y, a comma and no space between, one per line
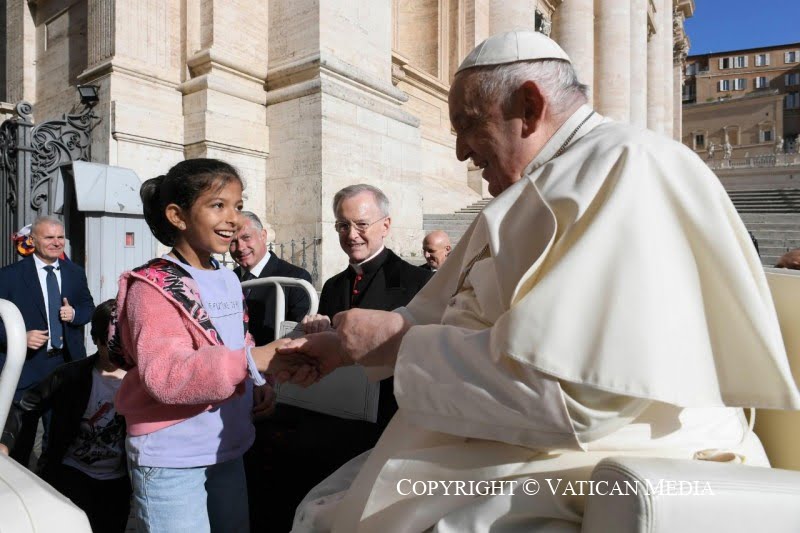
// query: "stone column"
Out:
[20,53]
[681,51]
[677,99]
[639,63]
[507,15]
[612,96]
[573,29]
[224,100]
[667,57]
[655,72]
[336,119]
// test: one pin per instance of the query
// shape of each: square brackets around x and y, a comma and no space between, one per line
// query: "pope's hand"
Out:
[3,449]
[325,348]
[371,338]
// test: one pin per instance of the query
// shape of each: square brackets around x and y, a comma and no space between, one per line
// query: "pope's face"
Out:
[486,135]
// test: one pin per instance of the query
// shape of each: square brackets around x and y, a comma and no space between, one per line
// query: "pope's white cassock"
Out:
[609,303]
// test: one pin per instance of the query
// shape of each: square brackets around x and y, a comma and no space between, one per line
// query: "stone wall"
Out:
[308,96]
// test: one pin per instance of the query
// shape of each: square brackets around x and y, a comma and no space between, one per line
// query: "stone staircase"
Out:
[777,233]
[773,216]
[454,224]
[766,201]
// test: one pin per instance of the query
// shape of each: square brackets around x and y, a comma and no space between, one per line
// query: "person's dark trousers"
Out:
[26,441]
[107,503]
[294,450]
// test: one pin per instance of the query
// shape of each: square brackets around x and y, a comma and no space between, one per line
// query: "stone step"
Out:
[760,217]
[773,248]
[789,193]
[766,202]
[453,220]
[788,190]
[775,226]
[760,209]
[431,226]
[791,244]
[766,199]
[772,232]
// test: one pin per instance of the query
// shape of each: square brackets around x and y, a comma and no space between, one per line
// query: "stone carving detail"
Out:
[680,42]
[543,24]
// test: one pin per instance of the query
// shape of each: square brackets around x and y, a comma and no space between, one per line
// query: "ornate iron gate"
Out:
[30,156]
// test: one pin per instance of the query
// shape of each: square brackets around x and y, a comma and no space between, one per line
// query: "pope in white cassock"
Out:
[608,301]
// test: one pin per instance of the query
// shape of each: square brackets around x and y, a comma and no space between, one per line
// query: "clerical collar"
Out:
[41,264]
[582,121]
[359,268]
[256,270]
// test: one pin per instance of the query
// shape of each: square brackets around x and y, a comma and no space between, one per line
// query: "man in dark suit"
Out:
[53,297]
[305,446]
[376,278]
[249,250]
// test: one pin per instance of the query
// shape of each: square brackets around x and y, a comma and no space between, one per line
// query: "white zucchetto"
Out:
[519,45]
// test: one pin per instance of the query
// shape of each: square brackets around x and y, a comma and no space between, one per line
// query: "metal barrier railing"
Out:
[280,298]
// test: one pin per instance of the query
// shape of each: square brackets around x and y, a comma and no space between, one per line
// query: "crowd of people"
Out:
[548,327]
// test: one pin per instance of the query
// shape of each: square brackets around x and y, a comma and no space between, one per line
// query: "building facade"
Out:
[743,103]
[308,96]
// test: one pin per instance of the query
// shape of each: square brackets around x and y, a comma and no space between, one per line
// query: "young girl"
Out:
[181,328]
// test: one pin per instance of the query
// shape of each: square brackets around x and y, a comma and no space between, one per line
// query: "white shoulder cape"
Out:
[622,264]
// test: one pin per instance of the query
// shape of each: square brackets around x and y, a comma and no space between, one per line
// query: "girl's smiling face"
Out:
[214,218]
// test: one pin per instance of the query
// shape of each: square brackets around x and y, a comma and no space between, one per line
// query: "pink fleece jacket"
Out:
[181,370]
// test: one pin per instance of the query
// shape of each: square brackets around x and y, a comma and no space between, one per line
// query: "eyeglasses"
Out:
[361,227]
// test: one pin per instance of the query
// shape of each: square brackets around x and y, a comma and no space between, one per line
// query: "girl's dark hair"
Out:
[181,186]
[100,320]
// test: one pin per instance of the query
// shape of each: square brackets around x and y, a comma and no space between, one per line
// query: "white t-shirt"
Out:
[99,449]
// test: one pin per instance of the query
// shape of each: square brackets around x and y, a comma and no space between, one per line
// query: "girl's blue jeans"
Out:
[192,500]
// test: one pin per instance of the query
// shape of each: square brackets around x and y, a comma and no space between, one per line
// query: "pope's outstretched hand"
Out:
[366,337]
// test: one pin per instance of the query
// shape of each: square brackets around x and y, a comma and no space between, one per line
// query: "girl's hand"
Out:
[263,401]
[325,349]
[316,324]
[3,449]
[294,368]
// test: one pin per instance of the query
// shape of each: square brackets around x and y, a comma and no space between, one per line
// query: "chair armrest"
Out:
[657,495]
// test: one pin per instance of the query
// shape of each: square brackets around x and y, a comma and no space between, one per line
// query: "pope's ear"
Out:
[533,106]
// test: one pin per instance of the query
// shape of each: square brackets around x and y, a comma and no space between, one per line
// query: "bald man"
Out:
[435,248]
[790,259]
